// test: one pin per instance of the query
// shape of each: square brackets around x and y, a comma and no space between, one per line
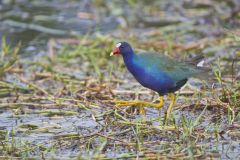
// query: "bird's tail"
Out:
[195,60]
[203,70]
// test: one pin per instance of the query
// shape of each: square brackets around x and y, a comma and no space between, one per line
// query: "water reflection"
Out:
[25,20]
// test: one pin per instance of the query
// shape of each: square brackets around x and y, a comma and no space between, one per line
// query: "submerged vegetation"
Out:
[57,104]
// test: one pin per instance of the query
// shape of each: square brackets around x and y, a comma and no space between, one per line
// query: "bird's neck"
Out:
[128,57]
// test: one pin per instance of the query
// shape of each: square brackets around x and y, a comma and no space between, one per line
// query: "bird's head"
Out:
[123,48]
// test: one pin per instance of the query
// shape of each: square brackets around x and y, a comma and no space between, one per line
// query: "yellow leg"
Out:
[160,104]
[173,100]
[131,103]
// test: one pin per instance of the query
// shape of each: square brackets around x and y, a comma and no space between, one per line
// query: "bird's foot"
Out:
[120,103]
[139,104]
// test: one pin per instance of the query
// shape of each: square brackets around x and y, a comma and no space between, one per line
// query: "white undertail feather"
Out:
[201,63]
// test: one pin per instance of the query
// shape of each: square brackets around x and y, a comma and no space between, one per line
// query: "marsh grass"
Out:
[8,56]
[53,94]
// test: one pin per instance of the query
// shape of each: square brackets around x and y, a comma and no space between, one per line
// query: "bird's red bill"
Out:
[115,51]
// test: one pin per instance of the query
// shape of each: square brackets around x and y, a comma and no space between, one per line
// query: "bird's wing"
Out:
[176,70]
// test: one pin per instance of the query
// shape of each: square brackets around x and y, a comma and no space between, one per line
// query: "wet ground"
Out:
[55,92]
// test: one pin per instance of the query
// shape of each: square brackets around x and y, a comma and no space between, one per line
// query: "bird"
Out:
[157,72]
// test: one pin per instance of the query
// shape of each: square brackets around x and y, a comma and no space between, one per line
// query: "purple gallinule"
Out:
[156,72]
